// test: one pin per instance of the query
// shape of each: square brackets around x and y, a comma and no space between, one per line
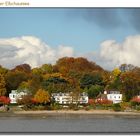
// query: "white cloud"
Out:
[112,54]
[31,50]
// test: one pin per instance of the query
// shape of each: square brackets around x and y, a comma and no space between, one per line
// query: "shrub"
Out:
[116,107]
[104,102]
[135,101]
[88,108]
[91,101]
[138,108]
[4,100]
[125,105]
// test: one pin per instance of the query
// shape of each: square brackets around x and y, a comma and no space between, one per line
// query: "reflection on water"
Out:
[70,123]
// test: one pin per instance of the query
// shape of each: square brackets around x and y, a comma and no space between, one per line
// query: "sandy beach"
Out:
[82,112]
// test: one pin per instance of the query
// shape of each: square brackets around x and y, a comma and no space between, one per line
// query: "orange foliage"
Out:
[42,96]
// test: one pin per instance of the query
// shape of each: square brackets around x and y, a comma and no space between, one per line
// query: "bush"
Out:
[56,106]
[104,102]
[4,100]
[138,108]
[88,108]
[76,108]
[125,106]
[116,107]
[135,101]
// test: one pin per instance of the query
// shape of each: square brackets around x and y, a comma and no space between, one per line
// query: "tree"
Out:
[115,84]
[55,83]
[47,68]
[66,65]
[88,80]
[126,67]
[94,91]
[25,100]
[14,79]
[130,84]
[42,97]
[2,85]
[32,85]
[23,68]
[3,71]
[116,72]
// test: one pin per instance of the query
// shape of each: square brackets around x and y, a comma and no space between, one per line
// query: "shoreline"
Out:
[79,112]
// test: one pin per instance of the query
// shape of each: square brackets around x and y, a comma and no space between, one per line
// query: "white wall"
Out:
[116,98]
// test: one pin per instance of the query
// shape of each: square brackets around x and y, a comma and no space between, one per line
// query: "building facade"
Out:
[67,98]
[114,96]
[15,95]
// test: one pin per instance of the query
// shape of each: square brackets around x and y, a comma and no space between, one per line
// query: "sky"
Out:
[107,36]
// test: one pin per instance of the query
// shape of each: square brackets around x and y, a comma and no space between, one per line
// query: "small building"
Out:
[15,95]
[114,96]
[67,98]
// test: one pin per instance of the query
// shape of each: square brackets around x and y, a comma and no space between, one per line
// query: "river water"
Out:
[81,124]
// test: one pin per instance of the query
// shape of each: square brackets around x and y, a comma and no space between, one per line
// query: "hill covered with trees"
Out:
[71,75]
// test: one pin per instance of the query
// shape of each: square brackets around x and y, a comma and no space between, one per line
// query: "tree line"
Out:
[70,75]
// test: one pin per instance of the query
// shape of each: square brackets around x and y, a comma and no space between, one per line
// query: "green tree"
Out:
[88,80]
[94,91]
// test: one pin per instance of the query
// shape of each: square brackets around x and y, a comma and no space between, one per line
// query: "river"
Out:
[82,124]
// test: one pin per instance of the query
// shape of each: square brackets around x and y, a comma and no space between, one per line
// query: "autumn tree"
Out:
[114,81]
[2,85]
[14,79]
[25,100]
[70,65]
[46,68]
[116,72]
[130,84]
[3,70]
[23,68]
[4,100]
[42,97]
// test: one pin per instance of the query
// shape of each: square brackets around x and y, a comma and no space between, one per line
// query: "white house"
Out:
[66,98]
[14,95]
[114,96]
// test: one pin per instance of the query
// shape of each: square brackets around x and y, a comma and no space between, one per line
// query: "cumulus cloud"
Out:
[31,50]
[112,53]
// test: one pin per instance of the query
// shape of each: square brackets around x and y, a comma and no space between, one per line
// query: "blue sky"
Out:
[71,27]
[83,29]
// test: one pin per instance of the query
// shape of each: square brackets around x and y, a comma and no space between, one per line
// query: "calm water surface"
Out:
[70,123]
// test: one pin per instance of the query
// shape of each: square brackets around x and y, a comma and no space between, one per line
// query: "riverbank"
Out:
[79,112]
